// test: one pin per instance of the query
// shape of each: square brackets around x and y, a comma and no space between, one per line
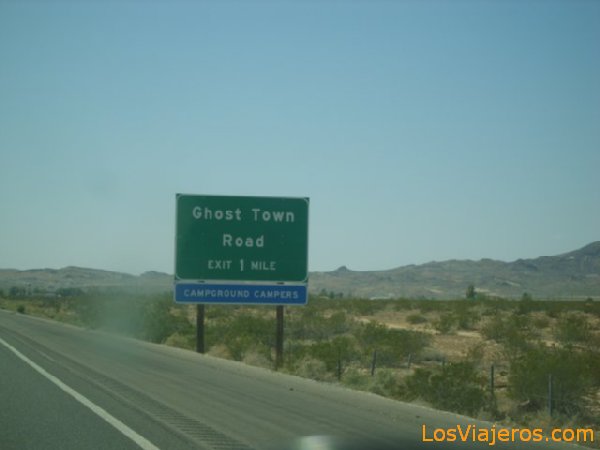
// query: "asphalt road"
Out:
[63,387]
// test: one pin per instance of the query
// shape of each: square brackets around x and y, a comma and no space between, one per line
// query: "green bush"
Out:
[455,387]
[340,348]
[243,332]
[338,323]
[363,307]
[526,304]
[21,309]
[416,319]
[354,379]
[516,332]
[466,314]
[430,354]
[312,368]
[384,383]
[572,379]
[418,385]
[476,352]
[393,346]
[445,323]
[573,328]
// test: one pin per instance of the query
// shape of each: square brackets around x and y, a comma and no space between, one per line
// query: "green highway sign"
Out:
[241,239]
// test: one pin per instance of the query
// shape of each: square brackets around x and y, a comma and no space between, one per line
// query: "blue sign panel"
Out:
[241,294]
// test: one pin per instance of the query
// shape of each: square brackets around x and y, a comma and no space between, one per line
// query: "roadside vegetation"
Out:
[518,362]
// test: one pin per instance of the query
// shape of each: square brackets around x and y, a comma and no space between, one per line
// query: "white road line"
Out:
[141,441]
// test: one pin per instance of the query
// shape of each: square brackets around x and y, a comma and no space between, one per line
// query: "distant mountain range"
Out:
[54,280]
[571,275]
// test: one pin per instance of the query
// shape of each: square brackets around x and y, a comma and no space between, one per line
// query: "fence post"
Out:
[374,362]
[409,360]
[550,394]
[493,405]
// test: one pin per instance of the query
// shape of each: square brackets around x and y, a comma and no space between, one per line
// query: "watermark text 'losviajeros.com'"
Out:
[493,435]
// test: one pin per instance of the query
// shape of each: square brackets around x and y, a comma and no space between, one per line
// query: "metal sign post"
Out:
[200,328]
[279,337]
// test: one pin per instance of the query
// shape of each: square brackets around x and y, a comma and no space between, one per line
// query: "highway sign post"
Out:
[241,250]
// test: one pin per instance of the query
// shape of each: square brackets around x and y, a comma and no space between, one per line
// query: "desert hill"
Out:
[571,275]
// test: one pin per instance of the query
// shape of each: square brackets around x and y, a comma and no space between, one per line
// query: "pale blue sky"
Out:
[420,130]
